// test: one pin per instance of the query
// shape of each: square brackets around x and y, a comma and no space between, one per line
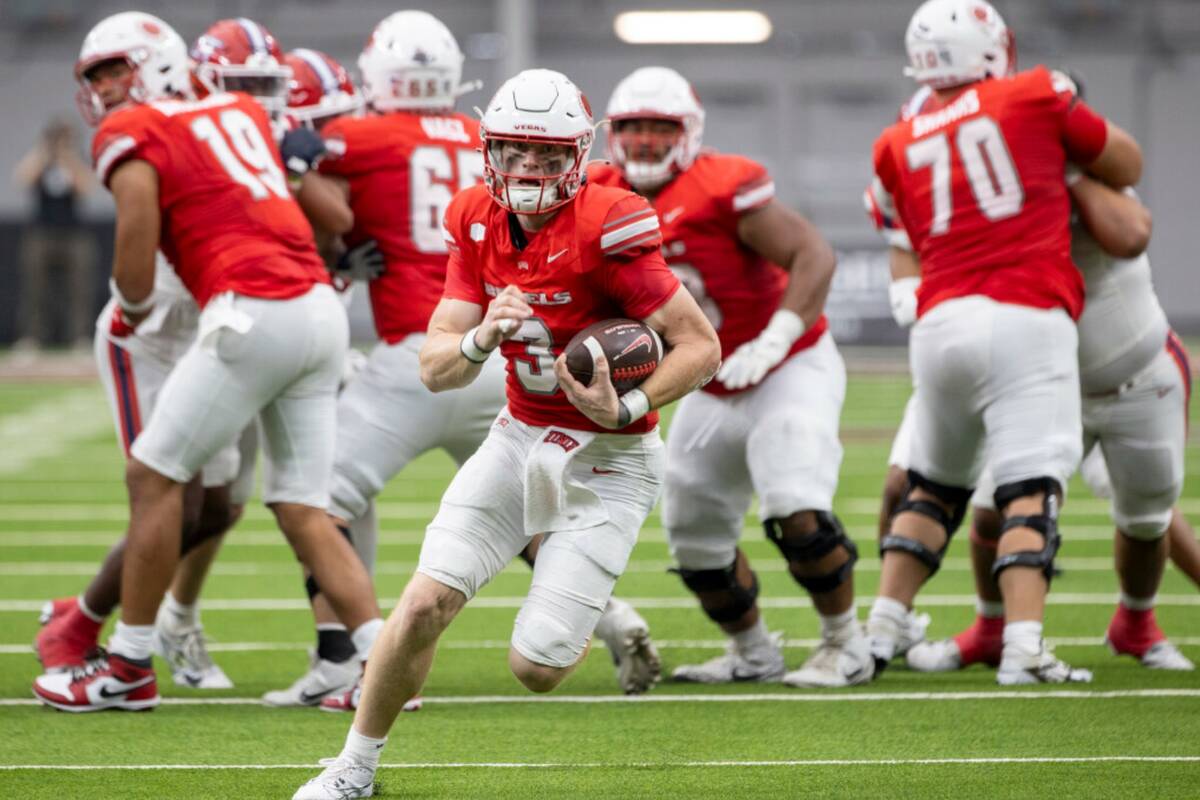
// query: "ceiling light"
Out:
[692,27]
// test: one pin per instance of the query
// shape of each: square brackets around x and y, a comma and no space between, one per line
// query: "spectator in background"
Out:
[58,177]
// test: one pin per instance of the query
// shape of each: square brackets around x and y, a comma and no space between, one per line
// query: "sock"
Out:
[1137,603]
[132,641]
[754,637]
[182,615]
[888,617]
[334,643]
[364,637]
[1025,635]
[989,608]
[839,627]
[87,612]
[363,749]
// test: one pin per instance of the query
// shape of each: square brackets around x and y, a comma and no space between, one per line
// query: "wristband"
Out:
[140,307]
[786,324]
[632,406]
[470,350]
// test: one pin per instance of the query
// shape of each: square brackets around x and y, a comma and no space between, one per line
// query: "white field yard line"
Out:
[653,567]
[50,429]
[660,603]
[761,697]
[414,535]
[812,762]
[503,644]
[425,509]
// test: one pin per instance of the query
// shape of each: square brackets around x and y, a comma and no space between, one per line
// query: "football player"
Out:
[1135,380]
[201,178]
[536,255]
[768,424]
[133,365]
[977,183]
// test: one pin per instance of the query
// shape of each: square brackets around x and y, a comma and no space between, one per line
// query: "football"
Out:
[632,348]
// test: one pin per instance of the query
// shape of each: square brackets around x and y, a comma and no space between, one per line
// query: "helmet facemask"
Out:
[533,175]
[649,150]
[266,82]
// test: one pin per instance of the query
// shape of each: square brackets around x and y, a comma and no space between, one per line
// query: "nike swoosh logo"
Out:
[670,216]
[599,471]
[307,698]
[125,688]
[739,675]
[1164,392]
[550,259]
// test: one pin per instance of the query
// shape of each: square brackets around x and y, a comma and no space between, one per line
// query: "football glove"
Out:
[119,325]
[301,149]
[751,362]
[902,297]
[363,262]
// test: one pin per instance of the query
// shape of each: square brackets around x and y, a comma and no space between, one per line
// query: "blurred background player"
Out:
[133,364]
[537,254]
[768,424]
[993,349]
[271,337]
[241,55]
[58,179]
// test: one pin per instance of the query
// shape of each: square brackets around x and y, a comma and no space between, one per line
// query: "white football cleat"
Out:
[940,656]
[323,679]
[1019,668]
[627,636]
[341,779]
[835,665]
[186,653]
[1164,655]
[763,665]
[913,632]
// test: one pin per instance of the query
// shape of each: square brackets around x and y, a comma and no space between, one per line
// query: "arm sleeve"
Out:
[125,136]
[1084,132]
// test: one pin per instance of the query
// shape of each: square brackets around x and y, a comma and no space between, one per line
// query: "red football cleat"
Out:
[982,642]
[1132,633]
[348,701]
[109,681]
[68,636]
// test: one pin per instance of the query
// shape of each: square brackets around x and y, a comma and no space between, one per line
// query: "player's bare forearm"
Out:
[134,187]
[785,237]
[443,365]
[325,204]
[1120,162]
[693,352]
[1117,220]
[903,263]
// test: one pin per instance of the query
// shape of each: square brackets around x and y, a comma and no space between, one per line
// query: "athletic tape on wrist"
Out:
[126,305]
[634,405]
[471,351]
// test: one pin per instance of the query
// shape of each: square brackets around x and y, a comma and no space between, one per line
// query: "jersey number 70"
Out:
[990,171]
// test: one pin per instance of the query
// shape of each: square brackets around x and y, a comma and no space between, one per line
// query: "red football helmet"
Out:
[240,55]
[320,89]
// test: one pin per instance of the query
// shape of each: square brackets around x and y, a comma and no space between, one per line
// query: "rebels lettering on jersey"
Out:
[403,169]
[598,258]
[229,223]
[977,182]
[737,289]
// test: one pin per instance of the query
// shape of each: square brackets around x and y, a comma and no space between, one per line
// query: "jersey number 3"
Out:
[990,171]
[254,164]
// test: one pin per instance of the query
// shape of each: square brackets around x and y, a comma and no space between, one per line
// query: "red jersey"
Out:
[229,223]
[598,258]
[737,288]
[978,184]
[403,168]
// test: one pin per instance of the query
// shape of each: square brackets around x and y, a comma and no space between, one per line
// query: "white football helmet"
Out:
[537,106]
[655,93]
[412,61]
[953,42]
[153,50]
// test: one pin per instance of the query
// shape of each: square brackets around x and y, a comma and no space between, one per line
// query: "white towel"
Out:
[221,313]
[553,502]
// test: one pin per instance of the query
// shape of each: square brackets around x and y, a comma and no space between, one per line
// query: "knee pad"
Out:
[955,497]
[1145,529]
[807,548]
[1045,523]
[738,599]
